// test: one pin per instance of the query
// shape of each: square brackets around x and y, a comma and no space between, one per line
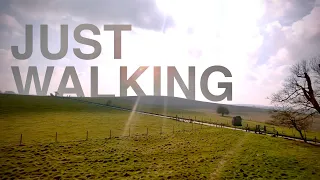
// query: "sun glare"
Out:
[217,24]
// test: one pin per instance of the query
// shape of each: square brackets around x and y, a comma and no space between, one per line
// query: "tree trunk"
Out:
[310,93]
[300,132]
[302,136]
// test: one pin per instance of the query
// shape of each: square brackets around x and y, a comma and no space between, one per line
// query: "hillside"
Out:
[176,103]
[67,139]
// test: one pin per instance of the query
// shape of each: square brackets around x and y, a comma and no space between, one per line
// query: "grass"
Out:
[209,117]
[207,153]
[39,121]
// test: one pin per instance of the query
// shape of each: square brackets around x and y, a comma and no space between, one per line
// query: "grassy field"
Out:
[212,117]
[201,153]
[38,119]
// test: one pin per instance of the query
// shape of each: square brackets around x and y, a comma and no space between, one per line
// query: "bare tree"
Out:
[291,118]
[298,101]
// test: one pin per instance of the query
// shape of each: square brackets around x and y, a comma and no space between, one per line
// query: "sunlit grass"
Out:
[212,117]
[211,153]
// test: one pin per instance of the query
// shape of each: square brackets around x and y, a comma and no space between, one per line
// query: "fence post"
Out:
[110,134]
[20,140]
[87,136]
[56,136]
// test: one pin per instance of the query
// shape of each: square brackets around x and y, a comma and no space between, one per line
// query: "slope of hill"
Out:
[176,103]
[67,139]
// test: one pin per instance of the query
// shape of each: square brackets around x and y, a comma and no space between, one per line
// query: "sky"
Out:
[256,40]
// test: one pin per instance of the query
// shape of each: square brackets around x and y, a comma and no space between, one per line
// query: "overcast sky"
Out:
[256,40]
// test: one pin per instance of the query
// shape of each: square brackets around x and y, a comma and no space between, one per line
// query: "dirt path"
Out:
[226,158]
[184,120]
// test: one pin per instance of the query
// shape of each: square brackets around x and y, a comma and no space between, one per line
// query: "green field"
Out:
[182,151]
[211,117]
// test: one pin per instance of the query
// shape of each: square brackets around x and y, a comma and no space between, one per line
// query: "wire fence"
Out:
[189,125]
[195,124]
[258,129]
[111,134]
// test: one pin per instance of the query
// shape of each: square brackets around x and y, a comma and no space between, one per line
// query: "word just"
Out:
[125,82]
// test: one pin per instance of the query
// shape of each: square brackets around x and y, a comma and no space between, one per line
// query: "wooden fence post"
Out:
[110,134]
[56,136]
[20,140]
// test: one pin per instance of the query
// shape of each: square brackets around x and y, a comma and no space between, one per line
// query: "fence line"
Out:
[189,120]
[110,136]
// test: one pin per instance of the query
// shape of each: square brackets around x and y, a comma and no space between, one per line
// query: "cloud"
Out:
[301,39]
[256,42]
[286,11]
[141,13]
[284,45]
[9,21]
[10,29]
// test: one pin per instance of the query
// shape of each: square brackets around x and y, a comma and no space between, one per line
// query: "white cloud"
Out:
[229,37]
[10,21]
